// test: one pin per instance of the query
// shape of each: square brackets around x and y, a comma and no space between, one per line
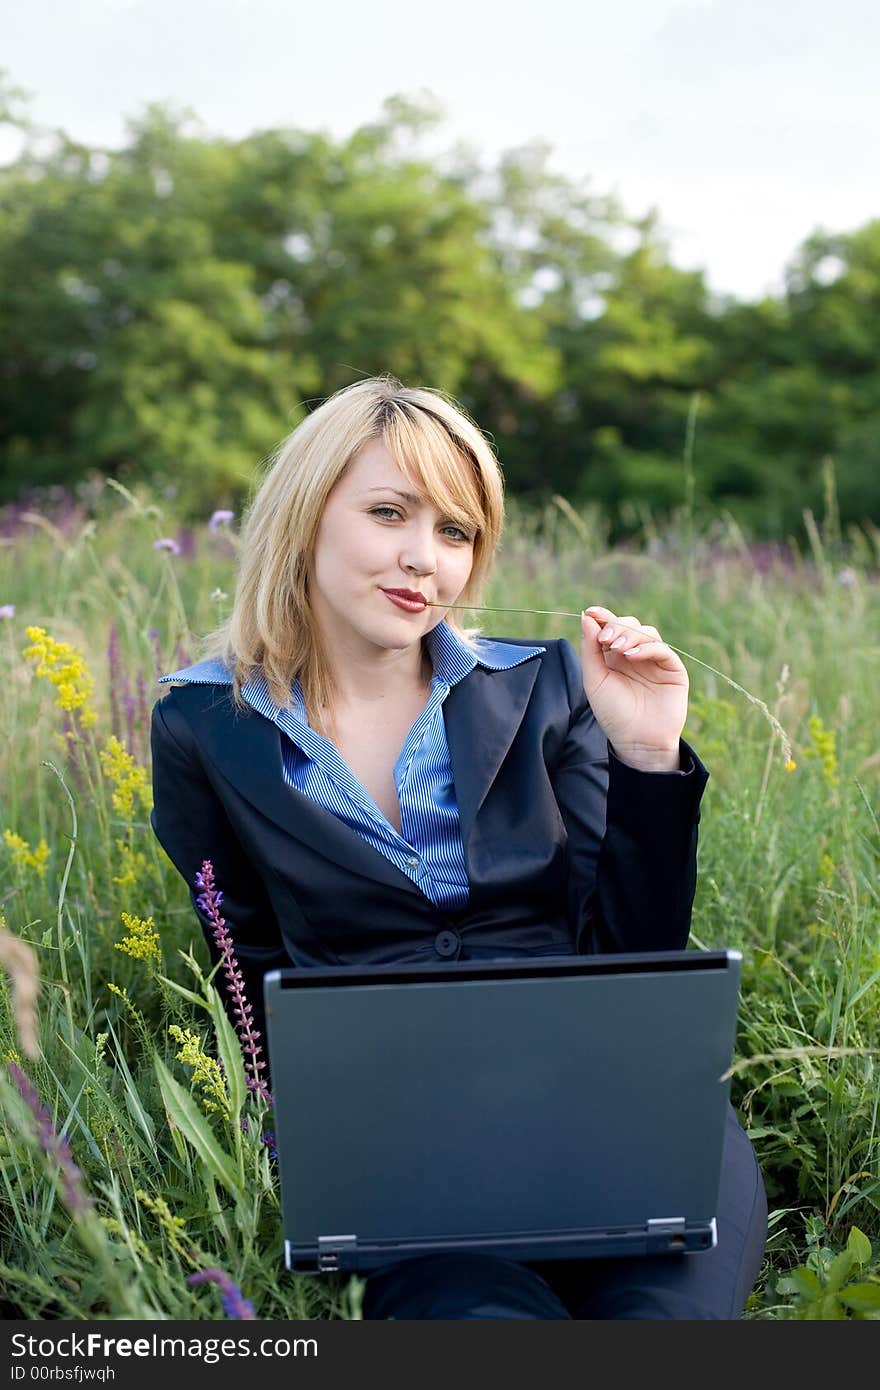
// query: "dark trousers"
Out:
[708,1284]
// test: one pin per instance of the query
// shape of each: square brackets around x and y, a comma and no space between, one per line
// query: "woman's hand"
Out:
[637,688]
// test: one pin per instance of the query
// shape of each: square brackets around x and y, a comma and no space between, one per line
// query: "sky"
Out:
[747,124]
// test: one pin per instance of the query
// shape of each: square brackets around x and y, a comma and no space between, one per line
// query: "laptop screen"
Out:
[562,1106]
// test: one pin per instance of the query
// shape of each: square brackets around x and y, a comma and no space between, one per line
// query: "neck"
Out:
[394,675]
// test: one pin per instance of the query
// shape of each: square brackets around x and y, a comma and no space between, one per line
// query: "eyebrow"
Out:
[406,496]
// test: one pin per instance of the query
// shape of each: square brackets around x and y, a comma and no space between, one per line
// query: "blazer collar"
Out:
[482,713]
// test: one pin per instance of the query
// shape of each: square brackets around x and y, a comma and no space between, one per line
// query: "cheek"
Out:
[466,561]
[458,570]
[339,549]
[357,557]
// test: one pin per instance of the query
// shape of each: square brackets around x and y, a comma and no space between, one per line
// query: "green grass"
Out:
[789,874]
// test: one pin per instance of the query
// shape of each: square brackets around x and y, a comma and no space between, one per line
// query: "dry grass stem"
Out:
[784,1053]
[20,963]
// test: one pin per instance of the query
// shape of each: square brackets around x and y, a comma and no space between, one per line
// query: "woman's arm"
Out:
[632,836]
[192,826]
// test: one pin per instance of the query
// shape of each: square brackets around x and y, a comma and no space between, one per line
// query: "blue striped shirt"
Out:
[428,848]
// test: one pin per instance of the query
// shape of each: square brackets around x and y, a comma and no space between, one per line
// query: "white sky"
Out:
[747,123]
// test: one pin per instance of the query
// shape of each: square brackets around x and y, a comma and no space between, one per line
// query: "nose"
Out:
[419,551]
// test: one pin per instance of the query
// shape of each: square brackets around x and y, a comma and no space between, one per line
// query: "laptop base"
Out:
[345,1254]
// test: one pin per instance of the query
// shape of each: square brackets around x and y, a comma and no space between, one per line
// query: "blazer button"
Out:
[446,943]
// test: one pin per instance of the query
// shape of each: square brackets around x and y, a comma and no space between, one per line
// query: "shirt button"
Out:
[446,943]
[413,861]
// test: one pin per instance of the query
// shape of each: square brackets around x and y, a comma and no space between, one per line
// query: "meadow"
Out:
[137,1174]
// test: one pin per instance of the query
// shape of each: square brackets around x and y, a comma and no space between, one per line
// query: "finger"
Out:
[654,651]
[600,615]
[632,637]
[595,670]
[625,637]
[613,634]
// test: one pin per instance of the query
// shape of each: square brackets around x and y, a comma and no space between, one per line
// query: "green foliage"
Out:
[833,1285]
[171,309]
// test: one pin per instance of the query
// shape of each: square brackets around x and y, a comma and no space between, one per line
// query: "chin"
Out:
[393,636]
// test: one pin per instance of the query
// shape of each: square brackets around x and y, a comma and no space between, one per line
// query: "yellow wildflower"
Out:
[128,778]
[136,1014]
[64,666]
[173,1226]
[142,942]
[133,866]
[206,1071]
[790,765]
[116,1228]
[826,868]
[824,747]
[24,856]
[12,1056]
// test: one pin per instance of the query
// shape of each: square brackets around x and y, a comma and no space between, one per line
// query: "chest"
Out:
[370,743]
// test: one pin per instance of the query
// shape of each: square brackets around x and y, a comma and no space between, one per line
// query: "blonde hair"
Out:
[272,628]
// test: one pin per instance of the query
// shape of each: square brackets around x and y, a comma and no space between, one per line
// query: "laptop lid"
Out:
[561,1107]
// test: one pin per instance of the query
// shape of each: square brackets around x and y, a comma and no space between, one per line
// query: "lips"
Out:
[409,600]
[412,594]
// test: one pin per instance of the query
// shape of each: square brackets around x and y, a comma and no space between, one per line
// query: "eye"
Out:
[375,511]
[460,534]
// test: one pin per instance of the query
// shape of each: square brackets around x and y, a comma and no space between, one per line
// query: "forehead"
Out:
[373,466]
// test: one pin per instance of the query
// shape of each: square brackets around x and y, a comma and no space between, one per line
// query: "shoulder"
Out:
[557,665]
[189,691]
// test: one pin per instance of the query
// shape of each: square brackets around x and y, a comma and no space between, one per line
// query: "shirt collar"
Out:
[451,657]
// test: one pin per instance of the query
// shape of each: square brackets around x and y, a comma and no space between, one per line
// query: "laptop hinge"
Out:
[330,1248]
[665,1232]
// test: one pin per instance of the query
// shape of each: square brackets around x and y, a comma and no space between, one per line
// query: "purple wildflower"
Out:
[235,1305]
[217,518]
[53,1144]
[209,901]
[7,610]
[74,742]
[166,543]
[186,542]
[267,1137]
[181,656]
[129,703]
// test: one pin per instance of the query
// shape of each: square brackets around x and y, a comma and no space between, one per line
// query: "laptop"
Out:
[543,1108]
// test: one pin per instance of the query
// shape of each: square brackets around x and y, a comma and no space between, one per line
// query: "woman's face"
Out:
[376,536]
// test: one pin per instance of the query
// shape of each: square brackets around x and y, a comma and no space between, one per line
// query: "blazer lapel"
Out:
[246,750]
[482,714]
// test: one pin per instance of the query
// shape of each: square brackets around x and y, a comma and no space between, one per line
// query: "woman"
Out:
[374,783]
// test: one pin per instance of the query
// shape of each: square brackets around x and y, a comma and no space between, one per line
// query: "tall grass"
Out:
[174,1155]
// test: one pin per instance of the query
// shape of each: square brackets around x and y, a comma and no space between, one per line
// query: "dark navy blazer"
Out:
[568,849]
